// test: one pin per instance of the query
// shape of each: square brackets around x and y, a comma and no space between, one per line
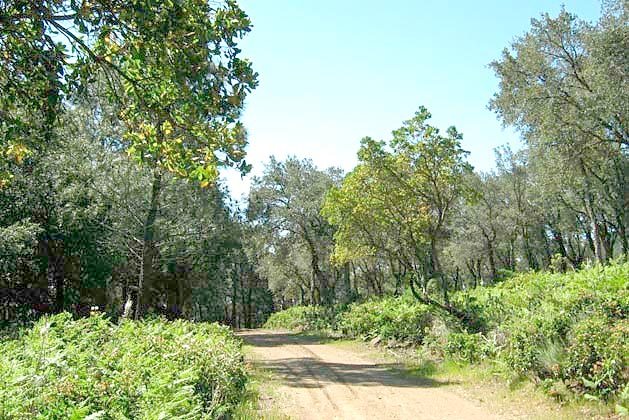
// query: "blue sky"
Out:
[334,71]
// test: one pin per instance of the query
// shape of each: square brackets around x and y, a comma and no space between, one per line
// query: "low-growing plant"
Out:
[75,369]
[304,318]
[390,318]
[598,356]
[471,348]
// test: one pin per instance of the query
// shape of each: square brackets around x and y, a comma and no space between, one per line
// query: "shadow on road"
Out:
[276,338]
[313,372]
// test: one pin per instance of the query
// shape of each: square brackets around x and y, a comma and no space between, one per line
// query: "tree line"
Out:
[414,214]
[115,118]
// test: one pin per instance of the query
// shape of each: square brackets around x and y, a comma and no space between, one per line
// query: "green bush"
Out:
[152,369]
[523,348]
[304,318]
[401,319]
[567,328]
[598,355]
[526,295]
[471,348]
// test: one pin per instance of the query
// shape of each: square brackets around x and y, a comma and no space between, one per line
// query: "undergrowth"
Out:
[569,333]
[305,318]
[93,369]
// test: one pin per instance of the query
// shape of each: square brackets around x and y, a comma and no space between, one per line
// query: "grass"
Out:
[261,396]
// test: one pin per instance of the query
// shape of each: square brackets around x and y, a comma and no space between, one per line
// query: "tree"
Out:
[377,222]
[76,223]
[171,69]
[286,203]
[173,66]
[400,198]
[564,86]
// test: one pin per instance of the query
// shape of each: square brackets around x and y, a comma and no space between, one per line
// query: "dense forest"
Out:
[111,151]
[116,118]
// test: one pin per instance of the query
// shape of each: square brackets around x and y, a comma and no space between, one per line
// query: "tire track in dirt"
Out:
[320,381]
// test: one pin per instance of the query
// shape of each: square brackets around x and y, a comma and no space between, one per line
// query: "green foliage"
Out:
[16,242]
[285,205]
[471,348]
[173,67]
[90,367]
[396,203]
[304,318]
[563,86]
[400,319]
[570,332]
[598,356]
[569,327]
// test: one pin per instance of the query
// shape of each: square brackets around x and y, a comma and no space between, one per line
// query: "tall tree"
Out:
[408,190]
[564,86]
[174,67]
[287,201]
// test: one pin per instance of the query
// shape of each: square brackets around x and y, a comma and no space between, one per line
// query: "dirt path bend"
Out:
[321,381]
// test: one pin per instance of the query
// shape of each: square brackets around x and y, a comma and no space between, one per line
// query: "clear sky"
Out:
[334,71]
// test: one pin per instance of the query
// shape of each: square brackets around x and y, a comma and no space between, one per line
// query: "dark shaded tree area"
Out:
[114,120]
[74,236]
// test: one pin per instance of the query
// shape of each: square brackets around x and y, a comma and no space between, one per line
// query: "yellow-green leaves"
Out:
[173,61]
[187,85]
[398,198]
[17,152]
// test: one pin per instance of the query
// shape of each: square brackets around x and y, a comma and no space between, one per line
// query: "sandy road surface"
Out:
[321,381]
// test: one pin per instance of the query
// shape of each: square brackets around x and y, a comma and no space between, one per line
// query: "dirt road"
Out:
[322,381]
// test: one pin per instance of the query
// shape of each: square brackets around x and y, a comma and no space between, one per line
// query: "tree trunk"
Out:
[624,240]
[599,251]
[347,285]
[317,275]
[50,111]
[249,319]
[302,295]
[492,259]
[59,283]
[528,252]
[313,297]
[243,300]
[355,277]
[558,238]
[148,246]
[436,268]
[55,274]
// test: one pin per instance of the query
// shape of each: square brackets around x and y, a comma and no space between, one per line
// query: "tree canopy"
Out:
[173,69]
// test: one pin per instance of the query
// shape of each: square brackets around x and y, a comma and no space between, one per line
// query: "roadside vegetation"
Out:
[568,333]
[92,368]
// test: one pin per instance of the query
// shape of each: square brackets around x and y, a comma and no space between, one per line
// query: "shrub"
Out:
[567,328]
[471,348]
[304,318]
[521,353]
[389,318]
[63,368]
[598,355]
